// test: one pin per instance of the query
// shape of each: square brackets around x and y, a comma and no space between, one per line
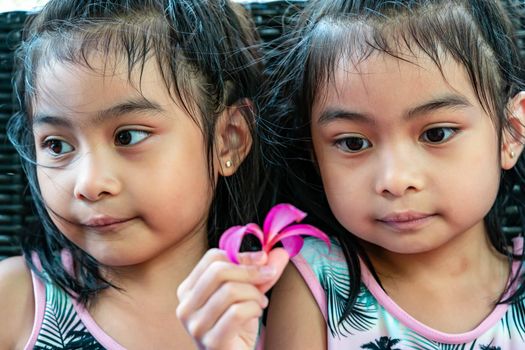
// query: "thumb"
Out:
[278,258]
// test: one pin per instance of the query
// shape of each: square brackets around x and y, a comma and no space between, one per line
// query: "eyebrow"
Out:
[450,101]
[331,115]
[132,106]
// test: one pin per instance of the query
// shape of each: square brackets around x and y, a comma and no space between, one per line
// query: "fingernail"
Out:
[267,271]
[265,302]
[256,256]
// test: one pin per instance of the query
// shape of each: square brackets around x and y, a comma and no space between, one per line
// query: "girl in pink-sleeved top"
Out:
[402,123]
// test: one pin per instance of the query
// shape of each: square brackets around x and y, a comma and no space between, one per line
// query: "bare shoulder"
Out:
[294,318]
[16,303]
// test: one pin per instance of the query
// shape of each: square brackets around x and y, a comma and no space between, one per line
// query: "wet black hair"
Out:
[208,57]
[478,34]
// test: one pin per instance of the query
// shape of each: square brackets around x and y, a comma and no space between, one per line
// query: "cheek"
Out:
[477,183]
[478,170]
[179,187]
[346,196]
[53,188]
[180,192]
[57,200]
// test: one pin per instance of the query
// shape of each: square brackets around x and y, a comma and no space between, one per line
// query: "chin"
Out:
[404,247]
[412,249]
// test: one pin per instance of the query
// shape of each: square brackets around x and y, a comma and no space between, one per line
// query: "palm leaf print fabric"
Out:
[376,322]
[362,317]
[62,328]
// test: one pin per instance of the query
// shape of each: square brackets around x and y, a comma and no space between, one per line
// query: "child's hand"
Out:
[220,302]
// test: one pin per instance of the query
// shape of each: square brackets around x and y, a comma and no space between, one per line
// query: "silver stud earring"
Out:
[512,155]
[229,163]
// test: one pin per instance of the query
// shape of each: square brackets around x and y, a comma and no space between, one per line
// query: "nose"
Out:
[96,177]
[400,171]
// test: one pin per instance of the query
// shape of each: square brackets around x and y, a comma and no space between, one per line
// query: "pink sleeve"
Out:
[39,292]
[260,339]
[312,282]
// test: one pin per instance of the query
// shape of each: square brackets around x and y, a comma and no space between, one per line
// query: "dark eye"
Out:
[57,147]
[130,137]
[353,144]
[438,135]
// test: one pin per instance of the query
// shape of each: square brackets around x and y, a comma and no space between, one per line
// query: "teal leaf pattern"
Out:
[417,342]
[61,326]
[363,316]
[370,326]
[489,347]
[517,318]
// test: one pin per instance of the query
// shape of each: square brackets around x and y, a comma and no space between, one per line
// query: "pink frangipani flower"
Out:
[276,228]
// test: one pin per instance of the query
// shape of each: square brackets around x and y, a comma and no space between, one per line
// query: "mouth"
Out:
[106,223]
[406,221]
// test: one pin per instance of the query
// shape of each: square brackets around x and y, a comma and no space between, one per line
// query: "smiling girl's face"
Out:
[122,168]
[408,156]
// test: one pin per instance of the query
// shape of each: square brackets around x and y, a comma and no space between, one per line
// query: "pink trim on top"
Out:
[40,305]
[39,293]
[313,284]
[91,325]
[384,300]
[261,338]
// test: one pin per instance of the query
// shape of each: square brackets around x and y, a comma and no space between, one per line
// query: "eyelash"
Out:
[118,142]
[364,143]
[343,144]
[49,143]
[451,132]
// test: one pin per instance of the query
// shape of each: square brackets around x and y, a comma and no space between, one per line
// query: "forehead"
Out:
[381,65]
[364,48]
[350,45]
[65,87]
[386,84]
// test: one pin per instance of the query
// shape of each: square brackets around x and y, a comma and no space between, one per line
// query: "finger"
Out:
[229,294]
[253,258]
[213,255]
[278,258]
[236,329]
[217,274]
[208,258]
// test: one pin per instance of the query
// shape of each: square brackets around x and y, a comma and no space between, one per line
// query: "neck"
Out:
[158,278]
[451,288]
[147,298]
[468,256]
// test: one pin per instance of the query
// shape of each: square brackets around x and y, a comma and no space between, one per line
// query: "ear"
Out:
[233,138]
[513,135]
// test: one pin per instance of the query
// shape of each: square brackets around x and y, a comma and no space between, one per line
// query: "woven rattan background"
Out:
[15,213]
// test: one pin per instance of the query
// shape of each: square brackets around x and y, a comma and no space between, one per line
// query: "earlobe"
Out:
[233,137]
[514,133]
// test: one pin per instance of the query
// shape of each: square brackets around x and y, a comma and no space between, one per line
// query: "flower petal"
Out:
[292,245]
[231,239]
[279,217]
[256,231]
[300,229]
[276,228]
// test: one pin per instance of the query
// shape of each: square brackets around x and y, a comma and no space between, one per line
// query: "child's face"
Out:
[409,160]
[123,172]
